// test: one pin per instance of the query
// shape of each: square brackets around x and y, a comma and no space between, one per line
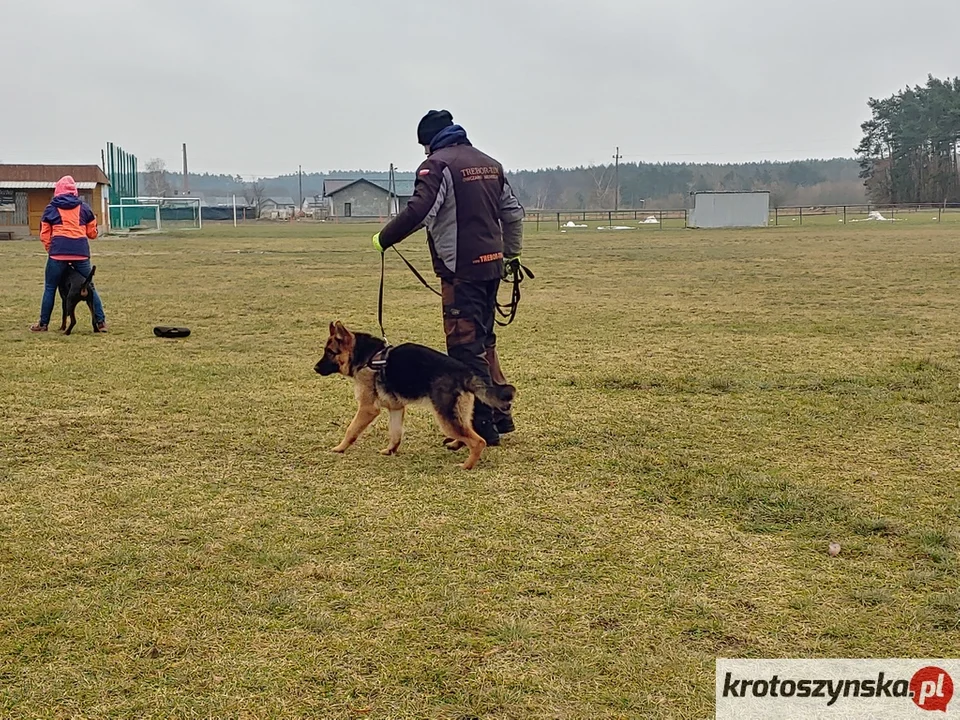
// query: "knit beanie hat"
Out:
[431,125]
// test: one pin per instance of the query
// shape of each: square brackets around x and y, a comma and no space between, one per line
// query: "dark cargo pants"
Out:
[469,309]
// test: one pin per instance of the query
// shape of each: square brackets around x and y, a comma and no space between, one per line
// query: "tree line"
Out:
[641,185]
[909,152]
[668,185]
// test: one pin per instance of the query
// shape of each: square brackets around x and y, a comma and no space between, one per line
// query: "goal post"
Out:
[180,213]
[136,218]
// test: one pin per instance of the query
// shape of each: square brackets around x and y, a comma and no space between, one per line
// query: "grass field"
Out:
[700,414]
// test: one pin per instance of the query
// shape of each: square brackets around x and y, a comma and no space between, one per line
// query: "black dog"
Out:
[393,378]
[75,288]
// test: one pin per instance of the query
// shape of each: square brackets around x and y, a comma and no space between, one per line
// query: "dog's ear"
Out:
[333,330]
[344,337]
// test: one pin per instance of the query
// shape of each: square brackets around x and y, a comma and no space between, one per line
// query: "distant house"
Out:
[316,207]
[362,198]
[278,208]
[25,191]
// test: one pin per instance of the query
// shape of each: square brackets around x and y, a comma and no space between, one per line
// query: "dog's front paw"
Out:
[340,449]
[387,452]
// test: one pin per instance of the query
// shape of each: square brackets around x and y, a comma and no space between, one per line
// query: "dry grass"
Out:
[700,414]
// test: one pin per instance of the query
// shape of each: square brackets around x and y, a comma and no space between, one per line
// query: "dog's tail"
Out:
[90,276]
[496,396]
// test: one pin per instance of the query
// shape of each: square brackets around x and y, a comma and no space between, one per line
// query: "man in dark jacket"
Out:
[474,229]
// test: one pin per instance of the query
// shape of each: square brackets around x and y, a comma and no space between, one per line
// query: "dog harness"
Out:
[379,361]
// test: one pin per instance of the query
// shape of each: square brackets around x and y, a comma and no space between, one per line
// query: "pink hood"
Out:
[65,186]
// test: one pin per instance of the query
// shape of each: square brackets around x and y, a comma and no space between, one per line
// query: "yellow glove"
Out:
[376,244]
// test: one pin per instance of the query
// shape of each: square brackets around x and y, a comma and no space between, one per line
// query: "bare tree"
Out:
[254,194]
[155,178]
[540,199]
[602,177]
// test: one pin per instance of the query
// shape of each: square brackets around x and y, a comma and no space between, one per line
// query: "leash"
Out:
[383,332]
[383,272]
[508,311]
[415,272]
[86,278]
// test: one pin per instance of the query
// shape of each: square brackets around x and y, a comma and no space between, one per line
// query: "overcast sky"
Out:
[256,87]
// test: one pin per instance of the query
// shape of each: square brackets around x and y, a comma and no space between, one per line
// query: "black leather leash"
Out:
[508,311]
[519,273]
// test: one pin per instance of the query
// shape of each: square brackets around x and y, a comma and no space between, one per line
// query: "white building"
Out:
[730,209]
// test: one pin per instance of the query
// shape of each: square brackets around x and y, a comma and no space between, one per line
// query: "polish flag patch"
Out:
[425,171]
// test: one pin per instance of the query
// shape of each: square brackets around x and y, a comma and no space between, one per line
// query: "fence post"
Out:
[844,214]
[661,219]
[609,218]
[940,213]
[776,216]
[558,221]
[685,218]
[538,222]
[801,215]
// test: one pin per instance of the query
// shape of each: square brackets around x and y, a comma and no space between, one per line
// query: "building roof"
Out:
[730,192]
[281,201]
[404,188]
[39,185]
[85,175]
[226,201]
[331,186]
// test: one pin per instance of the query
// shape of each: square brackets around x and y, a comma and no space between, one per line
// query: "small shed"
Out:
[278,208]
[26,190]
[730,209]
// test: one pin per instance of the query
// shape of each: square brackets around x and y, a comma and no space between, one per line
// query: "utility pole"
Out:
[616,180]
[186,177]
[391,192]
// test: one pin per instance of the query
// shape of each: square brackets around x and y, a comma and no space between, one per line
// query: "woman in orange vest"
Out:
[67,226]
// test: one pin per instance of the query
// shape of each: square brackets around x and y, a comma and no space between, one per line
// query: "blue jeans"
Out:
[51,281]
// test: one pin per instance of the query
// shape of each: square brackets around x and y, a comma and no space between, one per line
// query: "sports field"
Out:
[700,415]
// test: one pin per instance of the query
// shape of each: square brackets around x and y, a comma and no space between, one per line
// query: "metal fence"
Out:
[779,216]
[865,213]
[560,219]
[121,169]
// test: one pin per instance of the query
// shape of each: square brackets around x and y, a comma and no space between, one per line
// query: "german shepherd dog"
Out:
[75,288]
[394,377]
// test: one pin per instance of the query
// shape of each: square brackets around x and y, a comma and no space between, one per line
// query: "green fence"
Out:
[121,168]
[131,216]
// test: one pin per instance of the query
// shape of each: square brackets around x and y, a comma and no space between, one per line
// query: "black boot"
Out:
[488,431]
[504,423]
